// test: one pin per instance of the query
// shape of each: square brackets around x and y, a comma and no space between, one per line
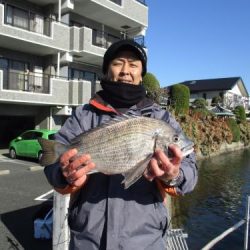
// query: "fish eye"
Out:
[175,138]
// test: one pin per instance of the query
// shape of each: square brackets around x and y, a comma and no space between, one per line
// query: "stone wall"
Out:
[225,148]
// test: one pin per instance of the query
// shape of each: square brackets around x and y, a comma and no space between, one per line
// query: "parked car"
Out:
[27,145]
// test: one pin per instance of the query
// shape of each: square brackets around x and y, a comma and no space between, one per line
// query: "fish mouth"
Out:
[188,149]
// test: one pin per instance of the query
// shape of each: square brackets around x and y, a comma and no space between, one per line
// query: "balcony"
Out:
[89,45]
[40,37]
[42,89]
[129,14]
[27,20]
[29,82]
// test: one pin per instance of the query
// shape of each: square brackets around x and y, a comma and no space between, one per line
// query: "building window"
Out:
[81,75]
[17,17]
[119,2]
[27,20]
[204,95]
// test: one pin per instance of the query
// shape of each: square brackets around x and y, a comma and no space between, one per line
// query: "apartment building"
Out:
[51,54]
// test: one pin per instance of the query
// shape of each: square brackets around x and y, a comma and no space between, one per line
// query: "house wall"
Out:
[209,96]
[236,90]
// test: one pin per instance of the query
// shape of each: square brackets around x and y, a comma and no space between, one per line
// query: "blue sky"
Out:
[198,39]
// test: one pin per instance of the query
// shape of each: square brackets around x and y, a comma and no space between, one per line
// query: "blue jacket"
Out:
[104,215]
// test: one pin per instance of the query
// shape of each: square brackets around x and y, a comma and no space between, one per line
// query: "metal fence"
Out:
[30,82]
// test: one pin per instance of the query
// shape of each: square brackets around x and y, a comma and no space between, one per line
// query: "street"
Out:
[24,191]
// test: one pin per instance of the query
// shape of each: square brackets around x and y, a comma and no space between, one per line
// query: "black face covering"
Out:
[120,94]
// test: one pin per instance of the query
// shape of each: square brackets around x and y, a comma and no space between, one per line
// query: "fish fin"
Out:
[136,173]
[51,151]
[119,118]
[94,171]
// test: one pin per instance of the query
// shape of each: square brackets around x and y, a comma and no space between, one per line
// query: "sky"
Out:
[198,39]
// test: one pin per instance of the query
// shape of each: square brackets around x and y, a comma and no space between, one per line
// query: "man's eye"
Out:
[116,64]
[133,65]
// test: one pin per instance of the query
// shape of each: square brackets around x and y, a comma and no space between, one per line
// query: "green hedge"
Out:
[240,114]
[235,129]
[180,95]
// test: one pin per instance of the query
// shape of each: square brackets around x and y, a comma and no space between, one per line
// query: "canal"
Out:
[217,203]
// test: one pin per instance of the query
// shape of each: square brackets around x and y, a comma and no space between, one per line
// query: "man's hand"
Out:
[75,168]
[163,167]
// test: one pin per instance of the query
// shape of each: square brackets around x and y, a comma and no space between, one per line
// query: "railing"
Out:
[104,40]
[233,228]
[29,82]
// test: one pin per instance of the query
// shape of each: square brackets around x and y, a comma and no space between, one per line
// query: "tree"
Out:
[152,87]
[180,95]
[216,100]
[240,114]
[200,103]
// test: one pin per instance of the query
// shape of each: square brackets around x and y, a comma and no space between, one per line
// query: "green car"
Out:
[27,145]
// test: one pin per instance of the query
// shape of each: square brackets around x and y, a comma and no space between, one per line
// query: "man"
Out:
[104,215]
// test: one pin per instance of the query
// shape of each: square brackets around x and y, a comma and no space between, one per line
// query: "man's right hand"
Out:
[75,168]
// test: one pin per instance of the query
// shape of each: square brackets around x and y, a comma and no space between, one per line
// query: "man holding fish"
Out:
[118,156]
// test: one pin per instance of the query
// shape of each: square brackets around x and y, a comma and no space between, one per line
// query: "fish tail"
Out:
[51,151]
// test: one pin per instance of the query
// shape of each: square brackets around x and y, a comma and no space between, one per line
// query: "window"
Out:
[51,137]
[119,2]
[28,135]
[4,69]
[81,75]
[17,17]
[24,19]
[37,135]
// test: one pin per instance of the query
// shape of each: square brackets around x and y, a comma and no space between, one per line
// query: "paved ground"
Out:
[21,182]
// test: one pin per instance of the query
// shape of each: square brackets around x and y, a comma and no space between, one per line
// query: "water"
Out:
[217,203]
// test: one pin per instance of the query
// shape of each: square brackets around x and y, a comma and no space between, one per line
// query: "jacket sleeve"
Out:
[71,128]
[188,165]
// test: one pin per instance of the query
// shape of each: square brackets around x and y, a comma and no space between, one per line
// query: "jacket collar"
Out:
[100,104]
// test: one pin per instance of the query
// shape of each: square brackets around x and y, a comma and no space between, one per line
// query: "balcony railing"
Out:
[104,40]
[29,82]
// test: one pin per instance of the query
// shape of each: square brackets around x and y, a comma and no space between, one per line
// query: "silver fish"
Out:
[124,145]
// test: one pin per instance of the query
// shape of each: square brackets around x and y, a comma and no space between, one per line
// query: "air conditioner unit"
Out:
[66,110]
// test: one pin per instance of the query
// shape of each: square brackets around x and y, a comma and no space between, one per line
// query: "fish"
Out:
[124,145]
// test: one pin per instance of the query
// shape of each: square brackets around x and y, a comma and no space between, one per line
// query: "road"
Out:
[21,183]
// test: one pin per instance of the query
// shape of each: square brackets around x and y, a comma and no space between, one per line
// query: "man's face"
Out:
[126,67]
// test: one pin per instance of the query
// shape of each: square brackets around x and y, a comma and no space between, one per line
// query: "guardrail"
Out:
[231,229]
[29,82]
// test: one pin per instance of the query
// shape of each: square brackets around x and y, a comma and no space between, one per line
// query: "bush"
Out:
[232,124]
[152,87]
[200,103]
[240,114]
[180,95]
[216,100]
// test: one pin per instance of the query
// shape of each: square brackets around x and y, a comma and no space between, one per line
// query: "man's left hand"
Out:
[164,167]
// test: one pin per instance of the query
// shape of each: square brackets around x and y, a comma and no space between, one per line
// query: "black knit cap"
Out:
[123,45]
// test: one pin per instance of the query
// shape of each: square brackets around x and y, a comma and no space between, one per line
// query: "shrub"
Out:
[180,95]
[232,124]
[200,103]
[152,87]
[240,114]
[216,100]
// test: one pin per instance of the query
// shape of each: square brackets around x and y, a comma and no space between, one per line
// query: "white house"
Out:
[232,90]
